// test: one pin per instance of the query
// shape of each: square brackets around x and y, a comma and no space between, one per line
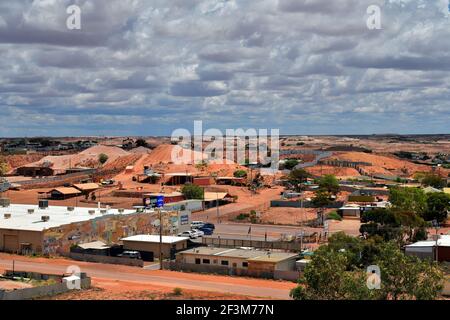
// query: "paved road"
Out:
[231,285]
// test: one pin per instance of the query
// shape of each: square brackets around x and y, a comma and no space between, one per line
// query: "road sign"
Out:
[160,201]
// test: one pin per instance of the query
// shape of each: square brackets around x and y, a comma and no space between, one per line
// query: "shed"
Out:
[148,245]
[64,193]
[86,187]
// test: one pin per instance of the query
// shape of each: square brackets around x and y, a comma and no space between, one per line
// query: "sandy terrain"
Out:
[86,158]
[340,173]
[104,289]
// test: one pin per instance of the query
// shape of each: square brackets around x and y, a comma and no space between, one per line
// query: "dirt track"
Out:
[148,279]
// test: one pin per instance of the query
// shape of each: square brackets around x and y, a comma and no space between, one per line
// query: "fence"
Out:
[42,291]
[201,268]
[52,181]
[303,204]
[106,259]
[259,244]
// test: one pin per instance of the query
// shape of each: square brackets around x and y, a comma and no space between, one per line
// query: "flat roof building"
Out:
[51,230]
[258,261]
[148,245]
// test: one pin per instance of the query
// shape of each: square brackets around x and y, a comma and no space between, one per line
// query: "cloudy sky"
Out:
[146,67]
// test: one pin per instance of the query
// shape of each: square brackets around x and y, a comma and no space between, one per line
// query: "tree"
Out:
[297,177]
[408,199]
[240,174]
[433,180]
[391,224]
[329,183]
[406,277]
[438,205]
[322,198]
[141,143]
[290,164]
[192,191]
[102,158]
[4,166]
[338,271]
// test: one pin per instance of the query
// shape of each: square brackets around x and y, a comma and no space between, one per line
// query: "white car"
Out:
[197,224]
[190,234]
[199,233]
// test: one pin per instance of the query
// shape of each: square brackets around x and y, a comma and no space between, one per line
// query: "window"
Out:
[244,264]
[197,261]
[224,262]
[206,261]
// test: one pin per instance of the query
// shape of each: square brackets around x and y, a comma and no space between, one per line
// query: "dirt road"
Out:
[169,279]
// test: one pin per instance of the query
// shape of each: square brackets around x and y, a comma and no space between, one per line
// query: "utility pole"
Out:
[160,240]
[217,206]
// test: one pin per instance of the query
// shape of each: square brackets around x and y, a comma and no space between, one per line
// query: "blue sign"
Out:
[160,201]
[184,219]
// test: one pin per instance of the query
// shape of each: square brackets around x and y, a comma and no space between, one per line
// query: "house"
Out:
[177,178]
[241,261]
[64,193]
[231,180]
[202,181]
[148,245]
[213,199]
[427,249]
[355,210]
[86,188]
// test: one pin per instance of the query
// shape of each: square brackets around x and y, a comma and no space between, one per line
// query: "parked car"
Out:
[197,224]
[190,234]
[198,232]
[107,182]
[206,231]
[130,254]
[209,225]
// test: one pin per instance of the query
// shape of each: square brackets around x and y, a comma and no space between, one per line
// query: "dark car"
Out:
[209,226]
[206,231]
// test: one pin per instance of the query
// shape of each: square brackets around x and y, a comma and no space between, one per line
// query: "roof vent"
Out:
[30,211]
[7,215]
[121,210]
[91,212]
[103,211]
[70,208]
[45,218]
[5,202]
